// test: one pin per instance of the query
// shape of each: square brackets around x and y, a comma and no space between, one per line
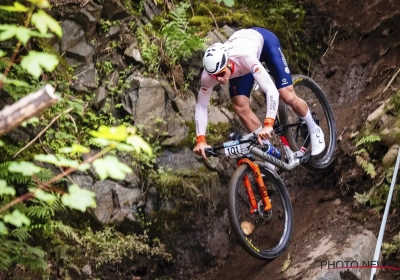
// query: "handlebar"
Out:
[213,151]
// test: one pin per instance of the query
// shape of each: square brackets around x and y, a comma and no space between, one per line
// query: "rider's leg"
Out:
[239,90]
[300,107]
[276,62]
[288,95]
[241,106]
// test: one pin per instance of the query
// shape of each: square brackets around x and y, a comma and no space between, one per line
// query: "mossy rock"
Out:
[203,22]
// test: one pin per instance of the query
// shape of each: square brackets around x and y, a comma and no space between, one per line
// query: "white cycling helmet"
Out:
[215,58]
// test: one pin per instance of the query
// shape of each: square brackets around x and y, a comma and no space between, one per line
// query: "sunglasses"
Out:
[220,74]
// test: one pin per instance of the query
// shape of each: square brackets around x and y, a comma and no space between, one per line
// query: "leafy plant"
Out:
[376,197]
[362,157]
[177,38]
[368,139]
[391,248]
[196,185]
[108,246]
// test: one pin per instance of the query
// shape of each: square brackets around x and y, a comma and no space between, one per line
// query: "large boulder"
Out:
[150,100]
[354,251]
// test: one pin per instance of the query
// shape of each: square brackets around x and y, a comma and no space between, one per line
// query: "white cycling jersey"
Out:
[244,48]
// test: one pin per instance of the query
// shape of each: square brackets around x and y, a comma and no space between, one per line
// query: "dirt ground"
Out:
[362,55]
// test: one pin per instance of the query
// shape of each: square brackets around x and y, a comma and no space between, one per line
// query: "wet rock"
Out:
[115,203]
[82,52]
[176,130]
[72,34]
[119,62]
[99,98]
[374,118]
[86,78]
[133,52]
[112,80]
[87,270]
[215,115]
[94,9]
[182,160]
[385,120]
[17,135]
[104,200]
[390,136]
[87,21]
[390,157]
[131,96]
[355,249]
[151,9]
[152,202]
[228,30]
[114,10]
[127,197]
[214,37]
[113,32]
[151,100]
[82,180]
[186,108]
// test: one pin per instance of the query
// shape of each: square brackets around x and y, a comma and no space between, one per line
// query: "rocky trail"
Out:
[363,55]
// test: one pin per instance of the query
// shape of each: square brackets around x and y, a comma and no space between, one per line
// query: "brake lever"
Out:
[211,152]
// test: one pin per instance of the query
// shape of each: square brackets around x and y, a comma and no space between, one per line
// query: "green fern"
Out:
[74,267]
[367,166]
[67,231]
[393,247]
[22,234]
[12,177]
[40,211]
[360,151]
[38,252]
[181,39]
[368,139]
[12,253]
[15,178]
[46,45]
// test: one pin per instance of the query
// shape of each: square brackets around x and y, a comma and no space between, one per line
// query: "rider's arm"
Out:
[203,99]
[268,87]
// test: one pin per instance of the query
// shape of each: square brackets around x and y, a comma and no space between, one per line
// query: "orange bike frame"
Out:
[263,190]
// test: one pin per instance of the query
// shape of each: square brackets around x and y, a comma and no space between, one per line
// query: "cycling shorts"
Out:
[275,61]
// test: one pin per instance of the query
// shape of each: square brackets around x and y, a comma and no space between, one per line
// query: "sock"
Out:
[312,126]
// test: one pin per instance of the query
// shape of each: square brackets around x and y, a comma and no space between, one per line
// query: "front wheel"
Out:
[263,235]
[308,90]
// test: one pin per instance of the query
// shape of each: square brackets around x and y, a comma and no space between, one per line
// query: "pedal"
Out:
[299,154]
[305,158]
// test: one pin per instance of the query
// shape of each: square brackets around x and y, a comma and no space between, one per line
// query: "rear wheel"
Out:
[263,235]
[308,90]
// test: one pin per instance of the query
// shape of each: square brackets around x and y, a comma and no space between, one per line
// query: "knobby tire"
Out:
[303,83]
[270,238]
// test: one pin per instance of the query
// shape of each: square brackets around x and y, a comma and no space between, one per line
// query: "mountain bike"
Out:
[259,206]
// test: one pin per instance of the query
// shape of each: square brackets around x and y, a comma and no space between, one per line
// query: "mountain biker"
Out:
[238,61]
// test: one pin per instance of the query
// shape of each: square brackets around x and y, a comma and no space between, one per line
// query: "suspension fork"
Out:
[260,182]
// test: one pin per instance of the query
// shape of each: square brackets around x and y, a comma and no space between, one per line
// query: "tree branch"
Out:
[27,107]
